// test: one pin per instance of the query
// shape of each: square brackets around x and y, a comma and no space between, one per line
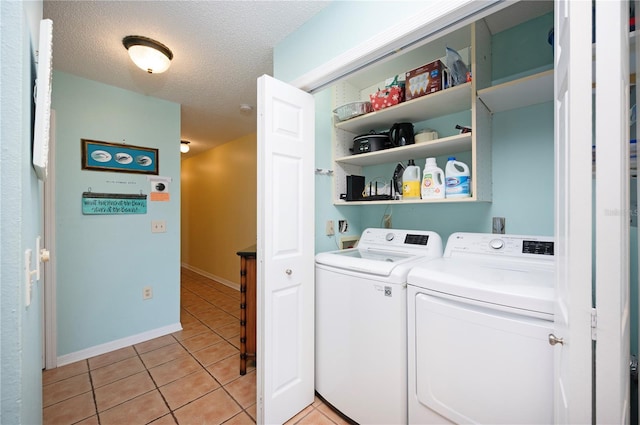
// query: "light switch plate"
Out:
[330,231]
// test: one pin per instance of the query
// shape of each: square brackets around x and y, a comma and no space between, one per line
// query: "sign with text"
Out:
[113,203]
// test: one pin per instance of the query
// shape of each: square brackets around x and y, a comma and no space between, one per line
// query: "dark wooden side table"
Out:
[247,306]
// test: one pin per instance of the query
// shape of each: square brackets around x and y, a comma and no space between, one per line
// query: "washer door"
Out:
[477,365]
[361,346]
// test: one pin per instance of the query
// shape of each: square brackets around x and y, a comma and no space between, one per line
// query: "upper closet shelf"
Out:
[527,91]
[434,105]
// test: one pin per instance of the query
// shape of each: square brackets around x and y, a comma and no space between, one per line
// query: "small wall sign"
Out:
[104,156]
[113,203]
[159,188]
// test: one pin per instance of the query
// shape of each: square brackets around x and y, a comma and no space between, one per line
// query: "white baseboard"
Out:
[225,282]
[117,344]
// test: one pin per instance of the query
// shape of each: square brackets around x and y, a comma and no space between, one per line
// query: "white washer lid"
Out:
[378,263]
[512,284]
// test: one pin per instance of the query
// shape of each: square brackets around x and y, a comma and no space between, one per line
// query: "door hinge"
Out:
[594,324]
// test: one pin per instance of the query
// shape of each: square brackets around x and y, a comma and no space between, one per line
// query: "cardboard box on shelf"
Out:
[426,79]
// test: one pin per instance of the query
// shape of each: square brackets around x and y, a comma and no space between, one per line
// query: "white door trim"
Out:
[50,328]
[611,213]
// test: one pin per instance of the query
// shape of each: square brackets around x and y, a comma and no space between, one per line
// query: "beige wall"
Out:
[219,208]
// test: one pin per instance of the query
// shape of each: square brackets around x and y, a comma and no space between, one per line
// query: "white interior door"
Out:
[572,128]
[612,212]
[285,250]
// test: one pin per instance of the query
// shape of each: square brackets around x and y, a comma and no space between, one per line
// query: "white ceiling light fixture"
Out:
[148,55]
[184,146]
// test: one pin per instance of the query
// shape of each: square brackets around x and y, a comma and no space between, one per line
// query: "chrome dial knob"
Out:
[496,243]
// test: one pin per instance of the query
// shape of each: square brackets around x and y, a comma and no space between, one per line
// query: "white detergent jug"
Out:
[411,181]
[432,186]
[458,180]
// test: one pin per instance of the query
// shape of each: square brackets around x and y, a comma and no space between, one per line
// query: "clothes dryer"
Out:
[479,320]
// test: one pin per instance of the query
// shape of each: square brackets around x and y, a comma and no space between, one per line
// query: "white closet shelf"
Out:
[437,147]
[411,201]
[433,105]
[526,91]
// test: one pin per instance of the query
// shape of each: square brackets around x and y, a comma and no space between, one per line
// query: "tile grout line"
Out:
[93,391]
[156,387]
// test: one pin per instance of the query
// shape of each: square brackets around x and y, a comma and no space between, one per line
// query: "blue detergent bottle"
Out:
[457,179]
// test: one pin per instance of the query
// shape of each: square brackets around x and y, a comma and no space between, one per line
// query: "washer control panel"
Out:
[402,240]
[508,245]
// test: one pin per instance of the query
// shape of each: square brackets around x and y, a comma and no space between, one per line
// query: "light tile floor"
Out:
[189,377]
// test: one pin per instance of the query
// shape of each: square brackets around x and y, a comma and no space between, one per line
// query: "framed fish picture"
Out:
[122,158]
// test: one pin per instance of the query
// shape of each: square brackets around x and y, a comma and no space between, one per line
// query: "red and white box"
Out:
[386,97]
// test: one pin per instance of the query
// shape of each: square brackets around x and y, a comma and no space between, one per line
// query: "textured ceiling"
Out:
[220,48]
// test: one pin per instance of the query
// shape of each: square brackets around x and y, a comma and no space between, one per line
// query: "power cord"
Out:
[385,220]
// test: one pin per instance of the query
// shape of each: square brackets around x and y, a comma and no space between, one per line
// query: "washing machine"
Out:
[478,326]
[361,323]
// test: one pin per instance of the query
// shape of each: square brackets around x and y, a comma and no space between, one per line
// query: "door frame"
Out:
[612,213]
[49,317]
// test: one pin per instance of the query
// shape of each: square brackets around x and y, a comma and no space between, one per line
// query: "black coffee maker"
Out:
[401,134]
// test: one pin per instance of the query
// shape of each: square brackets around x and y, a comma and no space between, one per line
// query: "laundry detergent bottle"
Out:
[457,179]
[432,186]
[411,181]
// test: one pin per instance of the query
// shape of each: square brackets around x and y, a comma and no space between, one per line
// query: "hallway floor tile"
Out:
[189,377]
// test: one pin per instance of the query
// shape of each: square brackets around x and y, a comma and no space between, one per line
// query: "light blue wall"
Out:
[522,146]
[338,27]
[105,261]
[20,209]
[523,49]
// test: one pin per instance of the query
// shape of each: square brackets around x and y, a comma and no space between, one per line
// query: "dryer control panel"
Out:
[504,245]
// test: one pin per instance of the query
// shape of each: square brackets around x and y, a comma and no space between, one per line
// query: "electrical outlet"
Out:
[158,226]
[330,230]
[147,293]
[386,221]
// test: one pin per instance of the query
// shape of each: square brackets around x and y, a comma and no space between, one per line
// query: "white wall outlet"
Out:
[158,226]
[330,230]
[147,293]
